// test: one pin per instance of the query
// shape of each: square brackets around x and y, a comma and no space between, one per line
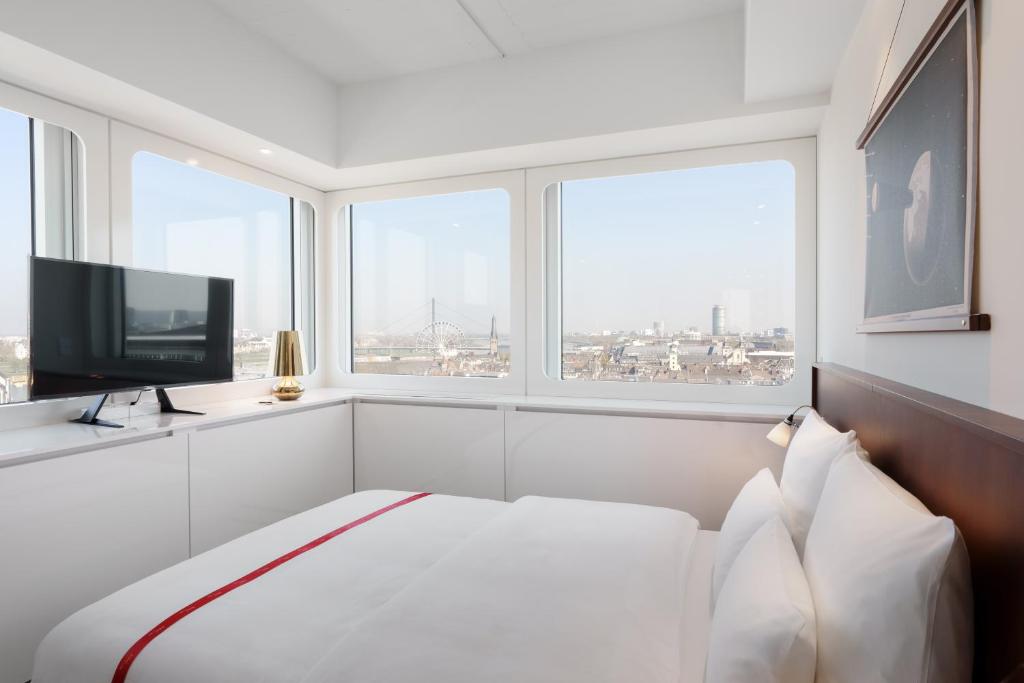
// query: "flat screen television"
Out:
[96,329]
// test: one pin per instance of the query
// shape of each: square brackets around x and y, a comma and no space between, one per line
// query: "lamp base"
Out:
[288,389]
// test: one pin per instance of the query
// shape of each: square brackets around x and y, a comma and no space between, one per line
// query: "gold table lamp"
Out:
[289,361]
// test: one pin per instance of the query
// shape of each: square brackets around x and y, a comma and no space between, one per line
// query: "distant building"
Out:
[494,336]
[692,334]
[659,328]
[673,357]
[718,321]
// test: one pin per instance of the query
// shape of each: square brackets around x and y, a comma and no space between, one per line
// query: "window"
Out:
[16,236]
[189,220]
[675,277]
[38,215]
[430,286]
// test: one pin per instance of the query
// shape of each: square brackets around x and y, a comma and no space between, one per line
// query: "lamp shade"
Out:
[289,355]
[781,433]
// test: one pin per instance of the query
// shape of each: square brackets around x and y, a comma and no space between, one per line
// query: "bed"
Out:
[389,585]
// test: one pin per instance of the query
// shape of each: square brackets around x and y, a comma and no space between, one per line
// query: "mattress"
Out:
[396,586]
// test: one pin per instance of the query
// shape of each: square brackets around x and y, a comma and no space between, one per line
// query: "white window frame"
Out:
[543,321]
[93,164]
[337,202]
[125,142]
[94,229]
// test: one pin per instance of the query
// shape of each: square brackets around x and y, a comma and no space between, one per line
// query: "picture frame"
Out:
[921,171]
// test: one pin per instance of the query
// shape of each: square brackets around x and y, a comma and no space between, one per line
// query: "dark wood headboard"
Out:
[964,462]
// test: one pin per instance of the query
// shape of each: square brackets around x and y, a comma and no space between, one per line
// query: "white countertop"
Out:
[18,446]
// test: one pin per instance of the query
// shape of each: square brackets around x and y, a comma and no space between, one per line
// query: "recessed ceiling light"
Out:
[265,152]
[192,162]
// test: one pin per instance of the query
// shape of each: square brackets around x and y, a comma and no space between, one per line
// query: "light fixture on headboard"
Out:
[289,361]
[783,432]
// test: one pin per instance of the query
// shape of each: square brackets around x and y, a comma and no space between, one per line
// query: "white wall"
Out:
[983,368]
[191,53]
[697,466]
[669,76]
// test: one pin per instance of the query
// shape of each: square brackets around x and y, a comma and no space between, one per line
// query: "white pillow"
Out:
[763,626]
[811,453]
[891,583]
[758,501]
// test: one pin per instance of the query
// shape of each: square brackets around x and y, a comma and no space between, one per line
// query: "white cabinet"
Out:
[458,451]
[693,465]
[248,475]
[75,529]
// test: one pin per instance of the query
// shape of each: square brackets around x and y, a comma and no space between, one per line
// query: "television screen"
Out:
[96,328]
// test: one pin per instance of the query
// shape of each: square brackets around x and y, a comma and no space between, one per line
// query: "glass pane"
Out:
[430,285]
[305,224]
[16,237]
[680,276]
[189,220]
[56,152]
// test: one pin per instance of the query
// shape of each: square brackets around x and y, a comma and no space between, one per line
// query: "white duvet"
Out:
[442,589]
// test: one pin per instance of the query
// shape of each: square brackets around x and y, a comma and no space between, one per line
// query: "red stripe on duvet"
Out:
[121,672]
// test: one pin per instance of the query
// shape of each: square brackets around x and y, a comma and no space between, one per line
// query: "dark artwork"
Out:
[917,163]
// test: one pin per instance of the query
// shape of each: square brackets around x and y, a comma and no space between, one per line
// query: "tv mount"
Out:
[89,415]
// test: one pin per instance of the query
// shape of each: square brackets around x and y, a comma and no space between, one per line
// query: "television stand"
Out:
[167,407]
[90,413]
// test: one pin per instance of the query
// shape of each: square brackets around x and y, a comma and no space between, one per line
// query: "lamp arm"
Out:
[792,416]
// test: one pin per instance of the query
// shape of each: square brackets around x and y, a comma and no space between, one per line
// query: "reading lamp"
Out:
[783,432]
[289,361]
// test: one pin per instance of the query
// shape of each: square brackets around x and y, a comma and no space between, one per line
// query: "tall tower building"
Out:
[494,336]
[717,320]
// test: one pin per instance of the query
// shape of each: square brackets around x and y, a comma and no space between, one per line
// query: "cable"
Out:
[888,54]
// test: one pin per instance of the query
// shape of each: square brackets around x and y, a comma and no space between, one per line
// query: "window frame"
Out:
[92,234]
[93,230]
[338,204]
[543,268]
[125,142]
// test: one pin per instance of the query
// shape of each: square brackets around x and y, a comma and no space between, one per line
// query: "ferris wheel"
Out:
[441,338]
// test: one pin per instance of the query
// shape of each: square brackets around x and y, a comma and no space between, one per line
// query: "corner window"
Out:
[186,219]
[678,276]
[39,214]
[430,287]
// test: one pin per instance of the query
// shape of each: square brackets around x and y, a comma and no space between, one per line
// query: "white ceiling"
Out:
[352,41]
[793,47]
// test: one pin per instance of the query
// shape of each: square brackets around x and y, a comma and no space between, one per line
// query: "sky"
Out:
[452,247]
[189,220]
[658,246]
[670,245]
[15,223]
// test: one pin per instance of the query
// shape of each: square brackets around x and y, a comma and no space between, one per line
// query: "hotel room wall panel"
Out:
[248,475]
[458,451]
[75,529]
[693,465]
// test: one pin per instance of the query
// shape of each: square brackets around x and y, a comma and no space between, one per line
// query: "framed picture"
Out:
[921,173]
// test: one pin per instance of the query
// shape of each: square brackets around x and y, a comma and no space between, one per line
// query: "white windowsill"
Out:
[18,446]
